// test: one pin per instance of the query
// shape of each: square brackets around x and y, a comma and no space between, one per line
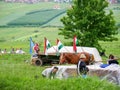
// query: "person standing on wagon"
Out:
[36,48]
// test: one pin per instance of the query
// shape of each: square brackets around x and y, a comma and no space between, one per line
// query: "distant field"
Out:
[37,18]
[19,37]
[23,33]
[13,11]
[116,12]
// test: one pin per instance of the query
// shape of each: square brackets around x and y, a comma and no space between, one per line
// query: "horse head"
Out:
[62,58]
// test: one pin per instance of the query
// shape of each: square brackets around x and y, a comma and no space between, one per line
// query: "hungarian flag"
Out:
[47,45]
[59,44]
[75,42]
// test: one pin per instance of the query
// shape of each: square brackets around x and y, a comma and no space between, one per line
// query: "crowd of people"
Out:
[12,51]
[36,50]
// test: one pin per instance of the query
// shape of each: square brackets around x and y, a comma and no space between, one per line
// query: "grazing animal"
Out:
[73,58]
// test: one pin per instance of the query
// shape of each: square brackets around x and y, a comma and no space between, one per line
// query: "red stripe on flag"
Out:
[57,41]
[45,44]
[74,44]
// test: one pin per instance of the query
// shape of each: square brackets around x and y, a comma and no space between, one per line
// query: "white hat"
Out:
[82,56]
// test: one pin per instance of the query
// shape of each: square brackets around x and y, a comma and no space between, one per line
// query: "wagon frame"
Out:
[42,59]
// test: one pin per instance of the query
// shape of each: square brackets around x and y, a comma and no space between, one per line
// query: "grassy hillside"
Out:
[112,47]
[16,73]
[23,34]
[19,36]
[37,18]
[116,11]
[12,11]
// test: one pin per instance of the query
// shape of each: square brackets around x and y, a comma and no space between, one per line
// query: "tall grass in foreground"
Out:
[16,73]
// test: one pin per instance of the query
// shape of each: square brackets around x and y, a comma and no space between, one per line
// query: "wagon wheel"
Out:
[39,62]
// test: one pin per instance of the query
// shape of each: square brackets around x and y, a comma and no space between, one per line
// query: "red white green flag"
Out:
[59,44]
[75,42]
[47,45]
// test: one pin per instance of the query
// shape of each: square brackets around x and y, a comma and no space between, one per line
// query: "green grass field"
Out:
[21,34]
[17,74]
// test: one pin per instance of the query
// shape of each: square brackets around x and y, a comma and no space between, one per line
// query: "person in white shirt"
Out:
[50,72]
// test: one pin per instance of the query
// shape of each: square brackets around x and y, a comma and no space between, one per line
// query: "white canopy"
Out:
[52,49]
[110,73]
[69,49]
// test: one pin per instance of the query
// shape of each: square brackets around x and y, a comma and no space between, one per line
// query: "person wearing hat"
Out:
[81,66]
[82,56]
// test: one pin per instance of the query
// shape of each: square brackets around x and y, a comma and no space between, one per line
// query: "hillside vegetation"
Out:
[14,11]
[35,14]
[16,72]
[37,18]
[17,36]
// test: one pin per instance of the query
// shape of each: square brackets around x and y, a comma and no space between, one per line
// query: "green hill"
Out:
[37,18]
[15,73]
[18,12]
[19,36]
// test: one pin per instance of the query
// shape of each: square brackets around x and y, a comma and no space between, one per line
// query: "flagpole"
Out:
[57,46]
[44,44]
[57,52]
[74,44]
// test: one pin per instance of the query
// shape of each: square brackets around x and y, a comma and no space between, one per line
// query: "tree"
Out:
[88,20]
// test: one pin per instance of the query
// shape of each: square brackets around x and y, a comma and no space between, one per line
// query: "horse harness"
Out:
[90,59]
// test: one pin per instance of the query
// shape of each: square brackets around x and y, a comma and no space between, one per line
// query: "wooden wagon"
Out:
[42,59]
[52,56]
